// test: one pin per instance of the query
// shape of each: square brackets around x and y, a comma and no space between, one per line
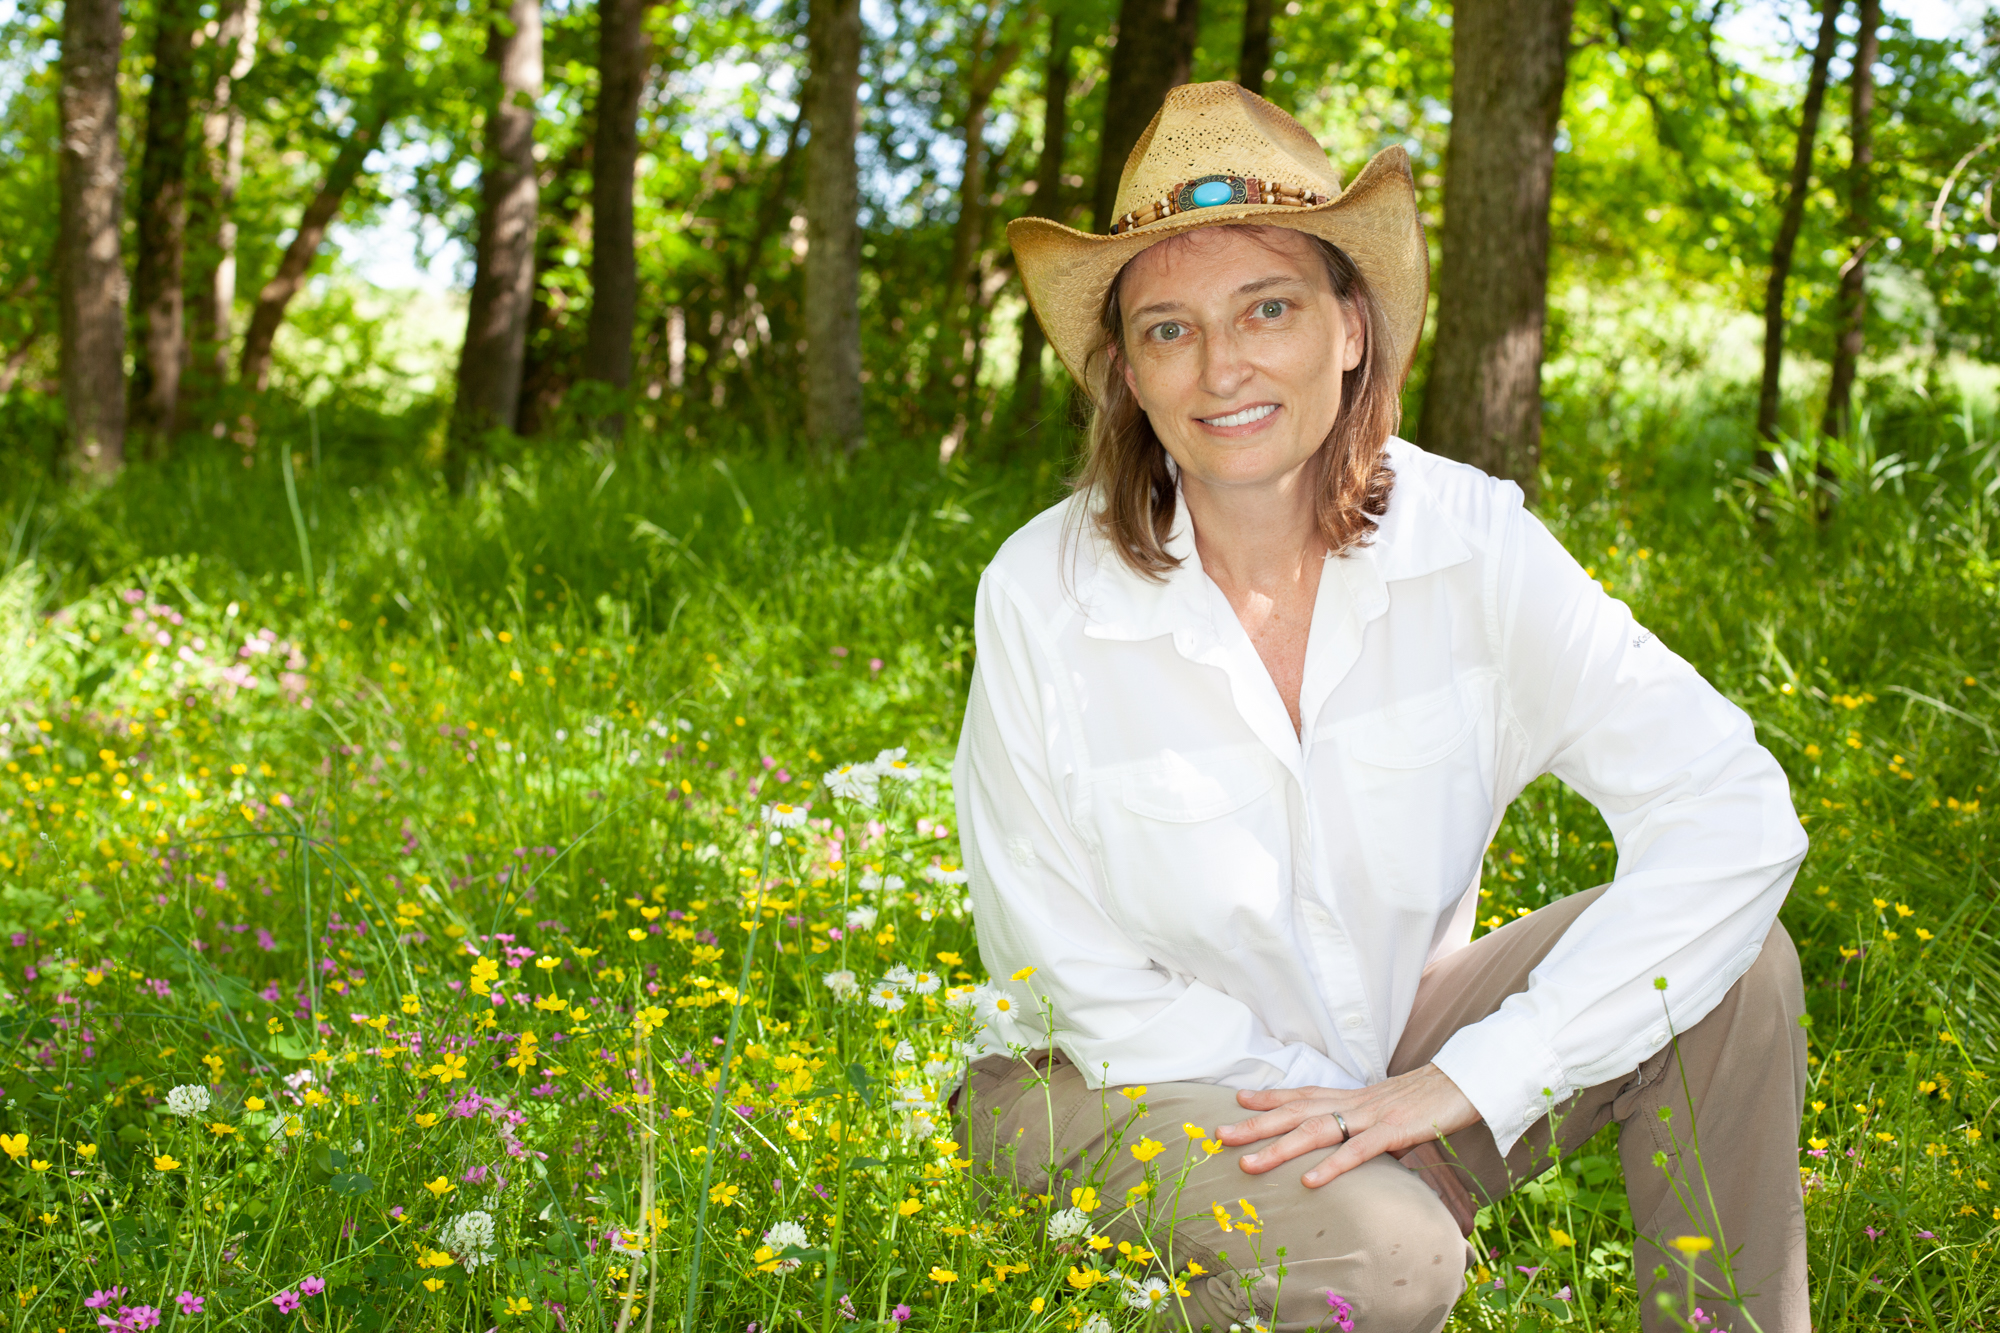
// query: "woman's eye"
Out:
[1271,309]
[1167,333]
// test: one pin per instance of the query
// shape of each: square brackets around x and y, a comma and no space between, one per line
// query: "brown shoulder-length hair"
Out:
[1129,487]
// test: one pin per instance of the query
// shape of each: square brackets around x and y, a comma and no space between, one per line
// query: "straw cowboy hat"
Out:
[1217,153]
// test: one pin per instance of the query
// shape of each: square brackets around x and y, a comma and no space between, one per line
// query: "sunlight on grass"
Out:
[461,941]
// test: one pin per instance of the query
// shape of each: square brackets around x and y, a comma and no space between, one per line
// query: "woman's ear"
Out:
[1125,369]
[1354,336]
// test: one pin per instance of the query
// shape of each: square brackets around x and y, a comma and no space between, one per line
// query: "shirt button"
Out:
[1353,1022]
[1659,1039]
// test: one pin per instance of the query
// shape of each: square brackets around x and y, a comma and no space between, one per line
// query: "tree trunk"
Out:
[503,282]
[833,228]
[212,225]
[553,356]
[1155,52]
[1483,402]
[1046,203]
[1788,227]
[255,370]
[156,276]
[954,367]
[1256,55]
[1853,307]
[91,302]
[623,57]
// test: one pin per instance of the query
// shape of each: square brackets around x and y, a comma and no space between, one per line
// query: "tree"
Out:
[1155,52]
[1789,222]
[91,300]
[284,284]
[212,215]
[1255,57]
[623,58]
[1044,203]
[503,281]
[955,363]
[157,270]
[833,227]
[1852,308]
[1483,402]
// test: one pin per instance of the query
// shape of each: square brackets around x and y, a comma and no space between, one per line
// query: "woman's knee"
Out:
[1398,1265]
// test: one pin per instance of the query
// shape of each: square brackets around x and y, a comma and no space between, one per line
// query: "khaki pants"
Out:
[1378,1237]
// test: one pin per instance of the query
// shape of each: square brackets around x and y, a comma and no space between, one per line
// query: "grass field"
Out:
[396,932]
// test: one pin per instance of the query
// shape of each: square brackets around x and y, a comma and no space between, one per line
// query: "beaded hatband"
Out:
[1209,191]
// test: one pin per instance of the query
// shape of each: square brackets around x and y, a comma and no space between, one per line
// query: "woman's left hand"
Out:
[1392,1116]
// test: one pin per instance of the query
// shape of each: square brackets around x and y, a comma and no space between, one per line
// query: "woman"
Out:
[1248,710]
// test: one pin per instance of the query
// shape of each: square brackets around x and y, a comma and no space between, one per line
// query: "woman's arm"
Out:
[1118,1015]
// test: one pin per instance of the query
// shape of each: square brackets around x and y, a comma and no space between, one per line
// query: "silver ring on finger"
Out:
[1344,1134]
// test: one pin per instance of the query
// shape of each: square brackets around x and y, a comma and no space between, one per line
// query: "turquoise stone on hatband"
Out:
[1209,191]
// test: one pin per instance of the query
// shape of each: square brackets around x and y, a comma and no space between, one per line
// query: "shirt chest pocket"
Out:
[1195,850]
[1417,795]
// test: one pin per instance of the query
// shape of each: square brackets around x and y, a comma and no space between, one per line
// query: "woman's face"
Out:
[1234,346]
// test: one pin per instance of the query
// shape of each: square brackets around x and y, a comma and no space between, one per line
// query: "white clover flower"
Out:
[1150,1294]
[905,1054]
[926,983]
[841,984]
[188,1099]
[783,1236]
[886,996]
[469,1238]
[1068,1224]
[891,883]
[780,815]
[899,976]
[861,918]
[854,782]
[1097,1323]
[871,880]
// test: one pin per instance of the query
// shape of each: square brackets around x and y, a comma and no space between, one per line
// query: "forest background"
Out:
[236,170]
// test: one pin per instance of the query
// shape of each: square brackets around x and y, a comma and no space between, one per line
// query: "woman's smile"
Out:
[1240,422]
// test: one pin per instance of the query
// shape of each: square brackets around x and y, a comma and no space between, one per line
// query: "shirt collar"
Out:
[1415,537]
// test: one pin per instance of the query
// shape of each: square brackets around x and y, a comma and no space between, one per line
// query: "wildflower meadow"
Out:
[542,907]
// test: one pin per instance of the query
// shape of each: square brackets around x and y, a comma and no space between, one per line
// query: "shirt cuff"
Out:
[1508,1073]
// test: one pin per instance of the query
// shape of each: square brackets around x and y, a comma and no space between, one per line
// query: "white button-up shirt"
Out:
[1207,895]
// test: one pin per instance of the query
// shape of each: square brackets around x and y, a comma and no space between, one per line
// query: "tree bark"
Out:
[1155,52]
[91,302]
[503,283]
[1483,402]
[1789,223]
[623,58]
[833,228]
[156,276]
[1046,203]
[212,223]
[1255,57]
[255,370]
[1853,299]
